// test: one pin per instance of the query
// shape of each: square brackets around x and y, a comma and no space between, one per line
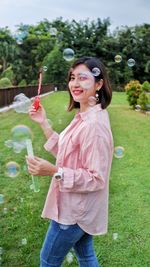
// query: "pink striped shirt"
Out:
[84,150]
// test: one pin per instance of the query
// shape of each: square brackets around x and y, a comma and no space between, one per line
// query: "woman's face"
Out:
[82,84]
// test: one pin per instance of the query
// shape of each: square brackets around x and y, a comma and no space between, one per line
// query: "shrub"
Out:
[146,86]
[22,83]
[8,73]
[144,98]
[5,82]
[133,90]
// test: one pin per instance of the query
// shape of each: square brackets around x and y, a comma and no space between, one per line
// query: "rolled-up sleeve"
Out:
[52,144]
[96,158]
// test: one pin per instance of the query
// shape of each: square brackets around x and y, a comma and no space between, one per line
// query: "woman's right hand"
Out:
[39,115]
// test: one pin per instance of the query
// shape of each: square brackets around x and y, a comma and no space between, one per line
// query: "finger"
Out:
[37,158]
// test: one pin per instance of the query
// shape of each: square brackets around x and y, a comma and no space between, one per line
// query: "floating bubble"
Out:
[8,143]
[85,80]
[53,31]
[24,241]
[18,147]
[21,199]
[44,68]
[60,121]
[118,58]
[137,107]
[31,186]
[12,169]
[68,54]
[1,250]
[131,62]
[5,210]
[96,72]
[69,257]
[20,133]
[1,198]
[15,209]
[21,103]
[92,101]
[115,236]
[119,152]
[60,37]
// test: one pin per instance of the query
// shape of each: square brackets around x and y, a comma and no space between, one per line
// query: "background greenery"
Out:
[23,53]
[129,189]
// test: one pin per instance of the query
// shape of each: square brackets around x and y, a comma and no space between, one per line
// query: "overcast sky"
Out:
[126,12]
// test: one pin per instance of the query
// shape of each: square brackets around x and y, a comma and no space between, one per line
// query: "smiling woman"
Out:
[77,201]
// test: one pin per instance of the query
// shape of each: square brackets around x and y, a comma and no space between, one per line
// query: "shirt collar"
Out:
[85,115]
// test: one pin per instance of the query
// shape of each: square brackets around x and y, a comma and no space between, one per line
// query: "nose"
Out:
[76,82]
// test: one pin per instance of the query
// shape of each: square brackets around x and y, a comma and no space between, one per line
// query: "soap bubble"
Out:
[18,147]
[68,54]
[44,68]
[21,199]
[12,169]
[1,198]
[85,79]
[5,210]
[119,152]
[53,31]
[15,209]
[60,37]
[69,257]
[92,101]
[21,103]
[24,241]
[20,133]
[137,107]
[60,121]
[131,62]
[118,58]
[96,72]
[8,143]
[115,236]
[1,250]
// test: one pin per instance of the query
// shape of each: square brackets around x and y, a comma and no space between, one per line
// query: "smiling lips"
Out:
[77,92]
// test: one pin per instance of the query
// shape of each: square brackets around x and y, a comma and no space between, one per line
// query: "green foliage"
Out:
[144,101]
[133,90]
[22,83]
[4,83]
[8,73]
[146,86]
[85,37]
[57,69]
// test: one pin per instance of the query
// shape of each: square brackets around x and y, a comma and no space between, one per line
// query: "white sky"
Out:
[126,12]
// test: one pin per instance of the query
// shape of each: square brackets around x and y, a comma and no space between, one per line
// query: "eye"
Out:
[72,78]
[83,77]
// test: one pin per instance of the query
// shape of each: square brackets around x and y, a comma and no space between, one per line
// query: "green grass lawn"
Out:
[129,203]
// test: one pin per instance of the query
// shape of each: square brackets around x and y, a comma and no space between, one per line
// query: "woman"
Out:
[77,201]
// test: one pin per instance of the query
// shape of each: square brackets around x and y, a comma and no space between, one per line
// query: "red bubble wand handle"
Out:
[36,102]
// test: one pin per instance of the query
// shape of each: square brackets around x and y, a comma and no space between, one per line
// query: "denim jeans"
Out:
[60,239]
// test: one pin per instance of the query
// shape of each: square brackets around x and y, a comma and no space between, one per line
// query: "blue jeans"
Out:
[60,239]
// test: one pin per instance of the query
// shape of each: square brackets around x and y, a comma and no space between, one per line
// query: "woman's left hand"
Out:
[40,167]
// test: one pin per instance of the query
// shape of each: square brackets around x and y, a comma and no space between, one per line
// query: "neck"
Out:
[83,107]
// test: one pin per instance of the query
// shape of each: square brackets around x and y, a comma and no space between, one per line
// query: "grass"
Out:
[129,189]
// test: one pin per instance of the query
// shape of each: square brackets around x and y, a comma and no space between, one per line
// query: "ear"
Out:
[99,84]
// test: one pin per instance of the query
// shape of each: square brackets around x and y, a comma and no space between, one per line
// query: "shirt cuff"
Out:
[68,179]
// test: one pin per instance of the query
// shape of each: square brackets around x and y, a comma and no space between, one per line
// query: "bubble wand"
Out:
[35,184]
[36,102]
